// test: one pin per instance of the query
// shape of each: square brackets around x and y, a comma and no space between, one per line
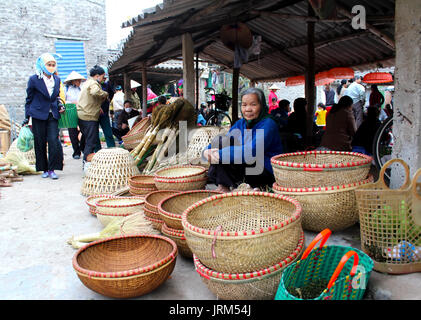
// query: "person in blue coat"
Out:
[44,106]
[244,153]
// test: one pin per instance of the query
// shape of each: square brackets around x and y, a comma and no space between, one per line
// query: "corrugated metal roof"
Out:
[73,58]
[156,36]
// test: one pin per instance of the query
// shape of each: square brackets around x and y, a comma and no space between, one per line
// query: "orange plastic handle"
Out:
[322,237]
[341,264]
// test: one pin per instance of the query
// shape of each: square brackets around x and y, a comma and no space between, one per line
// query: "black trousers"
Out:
[89,130]
[120,133]
[77,145]
[232,175]
[47,131]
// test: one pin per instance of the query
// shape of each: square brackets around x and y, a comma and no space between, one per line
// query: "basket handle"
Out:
[341,264]
[322,237]
[416,199]
[387,164]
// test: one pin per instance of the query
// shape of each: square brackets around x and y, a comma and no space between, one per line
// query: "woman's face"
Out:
[51,66]
[77,83]
[250,106]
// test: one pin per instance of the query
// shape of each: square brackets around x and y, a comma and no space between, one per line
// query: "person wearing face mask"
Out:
[89,109]
[249,144]
[44,106]
[123,120]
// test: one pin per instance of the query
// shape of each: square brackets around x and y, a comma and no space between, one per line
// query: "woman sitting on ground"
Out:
[340,127]
[245,153]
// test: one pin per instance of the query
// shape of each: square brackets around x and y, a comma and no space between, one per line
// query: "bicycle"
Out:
[217,114]
[383,144]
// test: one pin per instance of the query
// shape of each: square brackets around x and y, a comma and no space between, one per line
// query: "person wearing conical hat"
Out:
[72,90]
[273,98]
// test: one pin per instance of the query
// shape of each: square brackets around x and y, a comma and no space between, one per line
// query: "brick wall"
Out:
[23,26]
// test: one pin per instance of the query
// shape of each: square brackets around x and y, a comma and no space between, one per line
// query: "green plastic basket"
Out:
[347,278]
[68,119]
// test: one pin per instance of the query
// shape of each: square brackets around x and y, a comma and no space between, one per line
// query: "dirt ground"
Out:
[37,216]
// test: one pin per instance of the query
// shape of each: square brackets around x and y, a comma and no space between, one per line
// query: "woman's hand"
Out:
[212,155]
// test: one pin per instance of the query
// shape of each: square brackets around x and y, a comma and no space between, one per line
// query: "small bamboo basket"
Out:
[390,221]
[242,231]
[171,209]
[180,172]
[326,207]
[125,266]
[178,237]
[319,168]
[91,201]
[117,208]
[109,171]
[134,191]
[257,285]
[136,134]
[142,181]
[185,184]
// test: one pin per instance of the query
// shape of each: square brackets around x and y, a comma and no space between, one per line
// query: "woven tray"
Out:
[257,285]
[125,266]
[142,181]
[154,198]
[109,171]
[179,238]
[136,134]
[236,232]
[91,201]
[185,184]
[118,207]
[141,191]
[171,209]
[181,172]
[319,168]
[326,207]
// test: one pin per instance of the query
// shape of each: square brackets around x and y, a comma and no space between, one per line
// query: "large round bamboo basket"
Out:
[334,207]
[180,172]
[319,168]
[136,134]
[242,231]
[154,198]
[185,184]
[126,266]
[117,207]
[109,171]
[178,237]
[257,285]
[171,209]
[29,155]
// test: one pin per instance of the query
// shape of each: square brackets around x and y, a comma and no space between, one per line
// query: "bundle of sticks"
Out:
[8,174]
[165,118]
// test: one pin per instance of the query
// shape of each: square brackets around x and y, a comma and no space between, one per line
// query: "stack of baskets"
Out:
[108,209]
[141,185]
[151,206]
[91,201]
[109,171]
[181,178]
[244,239]
[171,209]
[324,183]
[136,134]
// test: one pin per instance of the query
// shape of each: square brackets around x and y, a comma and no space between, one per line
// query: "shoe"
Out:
[53,175]
[77,157]
[45,174]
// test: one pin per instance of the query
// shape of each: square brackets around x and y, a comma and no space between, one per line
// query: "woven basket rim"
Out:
[127,273]
[143,188]
[95,196]
[178,216]
[138,126]
[158,176]
[151,212]
[133,179]
[153,192]
[182,180]
[244,233]
[343,187]
[255,274]
[366,160]
[140,201]
[173,232]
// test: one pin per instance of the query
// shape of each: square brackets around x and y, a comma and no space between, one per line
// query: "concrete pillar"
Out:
[407,98]
[188,67]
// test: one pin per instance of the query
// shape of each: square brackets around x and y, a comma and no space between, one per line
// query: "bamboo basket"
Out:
[242,231]
[134,191]
[142,181]
[181,184]
[109,171]
[152,214]
[390,222]
[125,266]
[257,285]
[118,207]
[91,201]
[171,209]
[179,238]
[180,172]
[319,168]
[156,224]
[136,134]
[29,155]
[154,198]
[326,207]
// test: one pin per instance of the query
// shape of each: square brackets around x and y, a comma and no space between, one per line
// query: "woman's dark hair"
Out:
[283,104]
[343,102]
[338,90]
[374,88]
[162,99]
[96,70]
[300,105]
[127,101]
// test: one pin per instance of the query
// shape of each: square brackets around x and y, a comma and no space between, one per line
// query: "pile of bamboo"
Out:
[8,174]
[165,121]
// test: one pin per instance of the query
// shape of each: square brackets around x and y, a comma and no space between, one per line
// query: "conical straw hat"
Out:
[274,87]
[74,76]
[134,84]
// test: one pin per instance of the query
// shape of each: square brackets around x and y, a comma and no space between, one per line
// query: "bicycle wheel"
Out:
[219,119]
[383,143]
